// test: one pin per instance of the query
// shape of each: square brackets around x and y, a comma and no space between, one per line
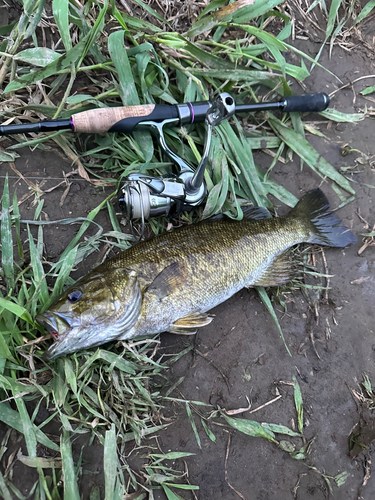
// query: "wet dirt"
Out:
[240,357]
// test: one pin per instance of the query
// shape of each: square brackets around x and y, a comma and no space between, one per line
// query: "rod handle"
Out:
[306,103]
[121,119]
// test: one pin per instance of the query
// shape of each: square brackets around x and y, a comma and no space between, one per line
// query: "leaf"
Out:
[5,30]
[44,463]
[341,478]
[192,422]
[209,433]
[70,478]
[60,9]
[19,311]
[267,302]
[39,276]
[368,90]
[170,494]
[298,404]
[127,88]
[110,463]
[5,156]
[365,11]
[13,419]
[240,11]
[151,11]
[281,429]
[6,238]
[335,5]
[251,428]
[27,428]
[315,161]
[4,489]
[62,62]
[337,116]
[38,56]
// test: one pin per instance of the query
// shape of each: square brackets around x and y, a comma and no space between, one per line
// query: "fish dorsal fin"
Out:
[188,324]
[249,213]
[169,280]
[280,271]
[255,213]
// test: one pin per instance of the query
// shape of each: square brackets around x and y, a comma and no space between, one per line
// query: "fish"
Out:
[170,282]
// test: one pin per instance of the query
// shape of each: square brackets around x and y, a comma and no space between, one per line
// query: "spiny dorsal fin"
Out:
[188,324]
[280,272]
[169,279]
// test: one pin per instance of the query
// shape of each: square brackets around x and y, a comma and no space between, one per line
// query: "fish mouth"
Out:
[48,321]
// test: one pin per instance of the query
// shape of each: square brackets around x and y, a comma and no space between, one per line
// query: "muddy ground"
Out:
[240,354]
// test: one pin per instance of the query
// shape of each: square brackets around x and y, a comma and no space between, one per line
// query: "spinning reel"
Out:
[145,196]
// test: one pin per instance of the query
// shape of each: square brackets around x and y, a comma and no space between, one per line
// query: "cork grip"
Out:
[100,120]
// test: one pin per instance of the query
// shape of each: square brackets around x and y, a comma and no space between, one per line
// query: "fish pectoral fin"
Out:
[169,279]
[188,324]
[280,271]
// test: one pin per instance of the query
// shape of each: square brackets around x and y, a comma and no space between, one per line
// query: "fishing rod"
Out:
[145,196]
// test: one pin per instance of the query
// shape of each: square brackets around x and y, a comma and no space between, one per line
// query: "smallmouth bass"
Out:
[169,283]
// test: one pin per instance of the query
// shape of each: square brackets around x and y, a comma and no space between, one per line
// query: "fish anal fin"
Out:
[281,271]
[170,279]
[188,324]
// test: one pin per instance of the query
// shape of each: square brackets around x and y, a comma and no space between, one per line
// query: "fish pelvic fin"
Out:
[325,228]
[188,324]
[283,269]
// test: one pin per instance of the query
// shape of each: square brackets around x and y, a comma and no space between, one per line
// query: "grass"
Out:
[117,392]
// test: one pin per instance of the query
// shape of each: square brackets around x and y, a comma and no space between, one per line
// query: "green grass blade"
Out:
[267,302]
[127,88]
[19,311]
[51,69]
[170,494]
[70,477]
[209,433]
[298,404]
[4,489]
[338,116]
[110,463]
[151,11]
[229,13]
[38,272]
[38,56]
[250,427]
[13,419]
[335,5]
[192,423]
[60,9]
[281,429]
[314,160]
[6,238]
[365,11]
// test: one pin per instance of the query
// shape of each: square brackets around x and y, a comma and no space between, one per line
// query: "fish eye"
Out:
[74,296]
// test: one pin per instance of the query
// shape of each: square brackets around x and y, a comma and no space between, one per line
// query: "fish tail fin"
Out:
[325,228]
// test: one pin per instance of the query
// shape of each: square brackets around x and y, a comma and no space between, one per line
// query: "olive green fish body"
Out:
[169,282]
[198,267]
